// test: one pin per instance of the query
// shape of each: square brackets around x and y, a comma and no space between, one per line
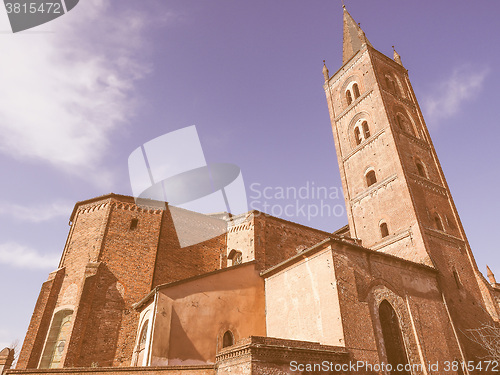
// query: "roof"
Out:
[354,37]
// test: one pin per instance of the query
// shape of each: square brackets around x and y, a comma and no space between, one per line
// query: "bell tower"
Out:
[396,195]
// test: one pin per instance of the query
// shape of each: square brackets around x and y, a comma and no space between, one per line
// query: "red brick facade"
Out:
[318,296]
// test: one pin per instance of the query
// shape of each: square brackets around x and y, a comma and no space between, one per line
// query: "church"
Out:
[395,291]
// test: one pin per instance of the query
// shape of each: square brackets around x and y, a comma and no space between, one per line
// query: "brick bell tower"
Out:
[396,195]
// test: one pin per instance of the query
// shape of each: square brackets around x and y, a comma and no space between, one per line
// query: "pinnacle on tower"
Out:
[491,276]
[397,57]
[354,37]
[326,74]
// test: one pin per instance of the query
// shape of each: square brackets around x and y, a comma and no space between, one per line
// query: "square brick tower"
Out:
[397,198]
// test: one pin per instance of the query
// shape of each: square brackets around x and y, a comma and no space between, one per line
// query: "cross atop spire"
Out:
[354,37]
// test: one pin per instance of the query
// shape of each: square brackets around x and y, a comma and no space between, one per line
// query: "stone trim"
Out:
[268,349]
[363,144]
[425,182]
[392,239]
[444,236]
[419,142]
[353,105]
[374,188]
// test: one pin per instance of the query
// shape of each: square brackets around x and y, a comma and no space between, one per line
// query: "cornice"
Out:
[96,206]
[419,142]
[387,61]
[422,181]
[445,236]
[281,350]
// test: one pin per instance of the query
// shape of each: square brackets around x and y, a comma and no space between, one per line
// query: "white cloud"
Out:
[447,97]
[36,214]
[19,256]
[64,92]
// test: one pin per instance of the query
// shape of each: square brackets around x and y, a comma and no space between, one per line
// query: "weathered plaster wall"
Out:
[302,302]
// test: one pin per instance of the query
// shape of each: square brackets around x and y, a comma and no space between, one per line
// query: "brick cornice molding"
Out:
[267,349]
[374,188]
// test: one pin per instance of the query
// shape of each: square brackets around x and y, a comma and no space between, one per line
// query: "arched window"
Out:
[143,336]
[400,121]
[393,340]
[371,178]
[384,230]
[394,87]
[235,257]
[141,343]
[355,89]
[438,223]
[357,135]
[420,169]
[388,83]
[348,97]
[56,339]
[366,130]
[227,339]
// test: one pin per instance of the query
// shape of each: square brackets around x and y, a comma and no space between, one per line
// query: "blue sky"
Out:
[79,94]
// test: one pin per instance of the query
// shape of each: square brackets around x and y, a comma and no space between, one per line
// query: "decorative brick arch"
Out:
[145,325]
[222,331]
[376,296]
[355,77]
[356,121]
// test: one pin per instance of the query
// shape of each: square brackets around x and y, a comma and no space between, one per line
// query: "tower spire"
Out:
[397,57]
[326,74]
[354,37]
[491,276]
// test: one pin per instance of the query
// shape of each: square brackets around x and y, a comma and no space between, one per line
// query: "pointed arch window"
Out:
[438,223]
[56,340]
[388,82]
[348,97]
[421,169]
[355,89]
[227,339]
[371,178]
[400,121]
[393,340]
[141,344]
[384,229]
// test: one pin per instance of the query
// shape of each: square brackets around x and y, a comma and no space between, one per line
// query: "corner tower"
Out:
[396,195]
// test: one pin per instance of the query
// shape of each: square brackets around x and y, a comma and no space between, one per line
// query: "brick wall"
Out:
[40,321]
